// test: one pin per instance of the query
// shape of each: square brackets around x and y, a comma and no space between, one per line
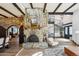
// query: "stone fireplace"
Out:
[34,39]
[35,21]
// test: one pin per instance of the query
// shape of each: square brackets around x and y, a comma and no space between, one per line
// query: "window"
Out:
[66,30]
[70,30]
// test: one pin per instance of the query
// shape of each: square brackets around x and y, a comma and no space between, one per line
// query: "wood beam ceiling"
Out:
[65,12]
[18,8]
[45,4]
[7,11]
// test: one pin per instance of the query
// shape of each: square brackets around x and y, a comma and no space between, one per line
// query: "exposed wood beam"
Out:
[18,8]
[57,7]
[68,23]
[7,11]
[60,13]
[3,16]
[31,5]
[70,7]
[44,7]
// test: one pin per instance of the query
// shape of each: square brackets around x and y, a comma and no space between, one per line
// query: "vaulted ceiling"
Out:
[18,9]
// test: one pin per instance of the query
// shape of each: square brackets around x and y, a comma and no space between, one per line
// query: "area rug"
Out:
[56,50]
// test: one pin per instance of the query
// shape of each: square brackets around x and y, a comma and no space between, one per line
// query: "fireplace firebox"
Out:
[33,38]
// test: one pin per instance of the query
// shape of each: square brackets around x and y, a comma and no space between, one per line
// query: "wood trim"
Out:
[3,16]
[70,7]
[7,11]
[57,7]
[18,8]
[44,7]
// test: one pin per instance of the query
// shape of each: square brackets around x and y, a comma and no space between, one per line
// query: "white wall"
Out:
[51,26]
[67,19]
[75,27]
[57,32]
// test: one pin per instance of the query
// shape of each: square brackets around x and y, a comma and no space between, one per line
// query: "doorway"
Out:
[68,31]
[13,31]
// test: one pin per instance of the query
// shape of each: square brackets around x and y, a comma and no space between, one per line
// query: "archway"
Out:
[12,31]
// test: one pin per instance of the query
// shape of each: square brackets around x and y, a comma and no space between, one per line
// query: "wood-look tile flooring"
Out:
[15,48]
[29,52]
[12,50]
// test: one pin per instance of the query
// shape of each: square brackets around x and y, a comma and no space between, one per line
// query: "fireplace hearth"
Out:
[33,38]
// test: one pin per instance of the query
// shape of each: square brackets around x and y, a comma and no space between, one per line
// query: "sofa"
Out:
[52,42]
